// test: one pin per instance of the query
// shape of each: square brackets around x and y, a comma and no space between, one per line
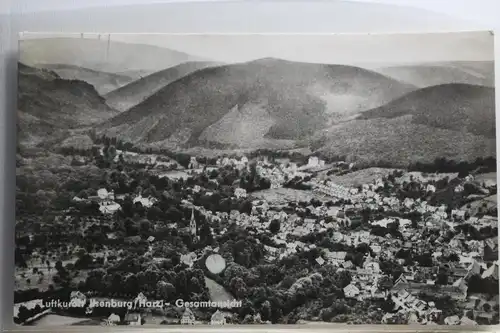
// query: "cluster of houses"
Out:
[107,203]
[406,290]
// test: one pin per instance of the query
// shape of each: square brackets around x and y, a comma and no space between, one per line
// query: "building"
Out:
[218,318]
[133,319]
[335,257]
[188,259]
[139,300]
[77,299]
[240,193]
[408,302]
[313,162]
[193,227]
[188,317]
[491,272]
[320,261]
[351,291]
[491,249]
[193,163]
[108,206]
[113,319]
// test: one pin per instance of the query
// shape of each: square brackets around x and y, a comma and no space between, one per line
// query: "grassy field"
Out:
[57,320]
[490,177]
[284,195]
[217,292]
[484,203]
[365,176]
[38,281]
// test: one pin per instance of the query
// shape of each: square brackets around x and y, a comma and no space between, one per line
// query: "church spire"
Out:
[192,223]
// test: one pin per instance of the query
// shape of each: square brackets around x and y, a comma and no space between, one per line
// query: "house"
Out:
[347,264]
[108,206]
[491,272]
[336,257]
[406,301]
[372,266]
[146,202]
[133,319]
[188,259]
[218,318]
[412,318]
[240,193]
[351,291]
[193,163]
[376,249]
[452,320]
[465,321]
[113,319]
[320,261]
[491,249]
[313,162]
[188,317]
[77,299]
[140,300]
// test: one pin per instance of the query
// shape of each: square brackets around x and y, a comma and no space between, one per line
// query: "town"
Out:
[303,239]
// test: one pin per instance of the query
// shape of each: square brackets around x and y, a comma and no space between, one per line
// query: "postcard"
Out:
[229,179]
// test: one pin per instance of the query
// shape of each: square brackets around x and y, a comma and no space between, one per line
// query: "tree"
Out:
[385,283]
[275,226]
[165,289]
[154,213]
[442,278]
[59,265]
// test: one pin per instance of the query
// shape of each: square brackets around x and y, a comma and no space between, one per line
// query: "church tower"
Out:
[192,225]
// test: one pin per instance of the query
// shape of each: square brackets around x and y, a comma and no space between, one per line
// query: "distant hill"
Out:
[425,75]
[267,101]
[136,74]
[103,82]
[134,93]
[94,54]
[458,107]
[47,103]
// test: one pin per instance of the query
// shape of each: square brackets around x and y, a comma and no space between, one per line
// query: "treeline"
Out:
[444,165]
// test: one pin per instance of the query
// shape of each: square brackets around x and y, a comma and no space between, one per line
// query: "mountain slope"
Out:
[292,101]
[133,93]
[458,107]
[397,142]
[95,54]
[103,82]
[426,75]
[47,103]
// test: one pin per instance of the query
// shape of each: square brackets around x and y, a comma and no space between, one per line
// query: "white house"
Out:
[452,320]
[189,259]
[188,317]
[108,207]
[113,319]
[351,291]
[320,261]
[218,318]
[146,202]
[240,193]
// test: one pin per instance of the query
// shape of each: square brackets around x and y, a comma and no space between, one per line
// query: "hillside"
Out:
[287,101]
[47,103]
[396,142]
[426,75]
[94,54]
[459,107]
[103,82]
[133,93]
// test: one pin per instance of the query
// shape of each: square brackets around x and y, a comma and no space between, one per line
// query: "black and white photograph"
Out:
[235,179]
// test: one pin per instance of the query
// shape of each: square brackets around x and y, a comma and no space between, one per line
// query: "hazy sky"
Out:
[335,48]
